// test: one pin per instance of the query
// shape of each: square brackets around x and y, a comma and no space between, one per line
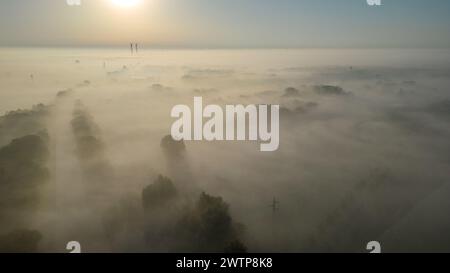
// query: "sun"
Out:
[126,3]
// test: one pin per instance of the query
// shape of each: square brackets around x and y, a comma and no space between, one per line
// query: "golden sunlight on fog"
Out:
[126,3]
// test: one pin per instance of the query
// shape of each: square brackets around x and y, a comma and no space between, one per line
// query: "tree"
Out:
[172,147]
[20,241]
[208,227]
[159,194]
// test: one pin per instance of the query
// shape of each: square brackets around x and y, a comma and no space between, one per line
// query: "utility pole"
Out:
[275,205]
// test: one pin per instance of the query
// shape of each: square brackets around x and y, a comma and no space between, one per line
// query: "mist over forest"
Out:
[86,153]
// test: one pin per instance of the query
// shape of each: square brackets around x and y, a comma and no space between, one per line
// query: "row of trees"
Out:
[23,171]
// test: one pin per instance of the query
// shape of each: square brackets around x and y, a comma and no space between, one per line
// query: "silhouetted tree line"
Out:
[22,171]
[22,122]
[204,225]
[90,149]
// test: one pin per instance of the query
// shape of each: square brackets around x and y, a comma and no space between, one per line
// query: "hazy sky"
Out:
[227,23]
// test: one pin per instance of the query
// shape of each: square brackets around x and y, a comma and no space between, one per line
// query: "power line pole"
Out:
[275,205]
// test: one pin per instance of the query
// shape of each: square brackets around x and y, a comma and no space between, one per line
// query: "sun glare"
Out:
[126,3]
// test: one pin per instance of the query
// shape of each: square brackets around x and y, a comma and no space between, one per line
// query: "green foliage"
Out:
[159,194]
[15,124]
[20,241]
[22,171]
[208,227]
[172,147]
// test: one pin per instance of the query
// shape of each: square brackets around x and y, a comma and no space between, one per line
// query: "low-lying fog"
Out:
[364,151]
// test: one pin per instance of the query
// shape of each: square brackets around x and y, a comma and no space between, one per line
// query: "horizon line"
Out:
[165,47]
